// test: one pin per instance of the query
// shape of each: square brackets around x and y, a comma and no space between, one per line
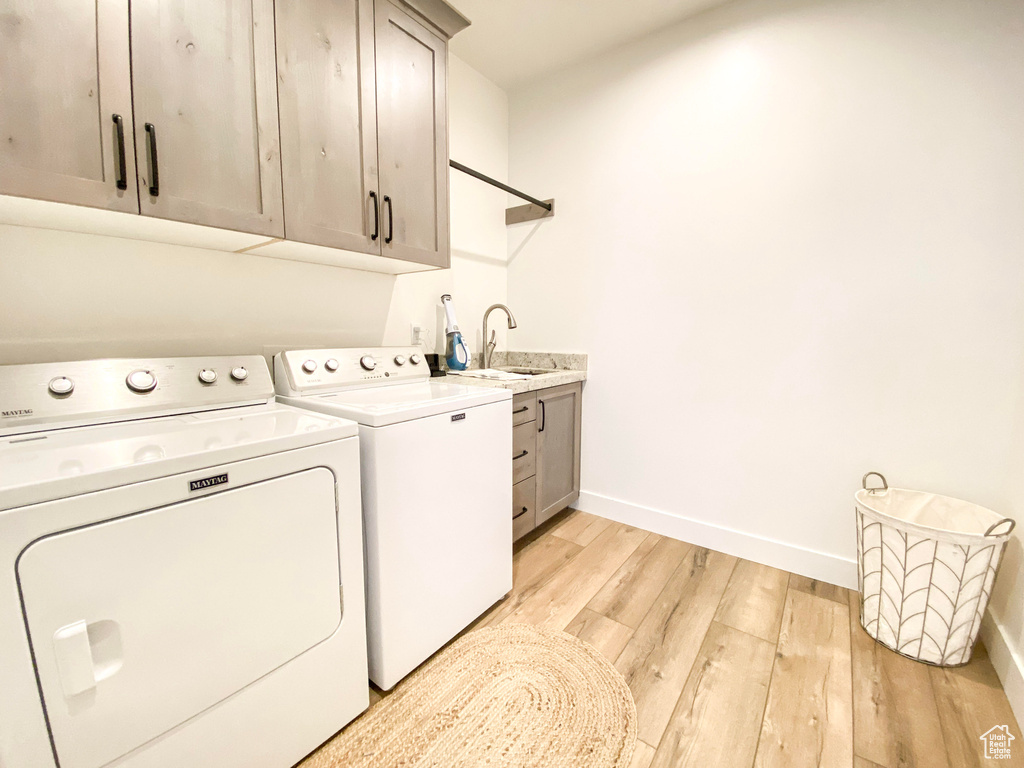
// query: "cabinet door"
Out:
[206,122]
[65,74]
[412,137]
[326,90]
[559,412]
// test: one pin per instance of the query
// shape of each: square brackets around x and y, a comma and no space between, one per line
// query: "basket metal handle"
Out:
[1008,531]
[880,476]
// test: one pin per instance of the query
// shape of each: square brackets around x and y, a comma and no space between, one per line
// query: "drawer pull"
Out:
[525,510]
[524,453]
[524,409]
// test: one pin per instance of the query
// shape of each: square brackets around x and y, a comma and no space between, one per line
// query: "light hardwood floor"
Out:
[737,664]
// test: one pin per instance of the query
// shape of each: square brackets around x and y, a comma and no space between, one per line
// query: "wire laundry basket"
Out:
[925,565]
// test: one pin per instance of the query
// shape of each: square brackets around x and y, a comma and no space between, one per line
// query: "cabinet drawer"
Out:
[524,498]
[524,451]
[524,408]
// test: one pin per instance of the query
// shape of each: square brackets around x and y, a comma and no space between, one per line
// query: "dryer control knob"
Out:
[415,359]
[399,359]
[141,381]
[239,374]
[309,366]
[368,362]
[62,385]
[331,365]
[207,375]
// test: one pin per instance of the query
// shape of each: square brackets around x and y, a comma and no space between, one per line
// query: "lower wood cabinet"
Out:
[545,454]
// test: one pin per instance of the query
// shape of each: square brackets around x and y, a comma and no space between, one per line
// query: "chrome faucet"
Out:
[490,345]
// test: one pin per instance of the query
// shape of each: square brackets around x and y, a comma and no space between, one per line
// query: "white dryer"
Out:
[181,574]
[437,488]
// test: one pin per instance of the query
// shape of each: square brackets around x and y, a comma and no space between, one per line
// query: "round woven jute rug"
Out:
[511,695]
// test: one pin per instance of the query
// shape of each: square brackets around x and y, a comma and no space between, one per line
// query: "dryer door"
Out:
[140,622]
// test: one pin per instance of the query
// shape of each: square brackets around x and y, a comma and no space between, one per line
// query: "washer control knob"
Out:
[399,359]
[239,374]
[141,381]
[62,385]
[207,375]
[368,362]
[415,359]
[309,366]
[331,365]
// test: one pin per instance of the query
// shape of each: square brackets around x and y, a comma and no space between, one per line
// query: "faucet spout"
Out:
[491,344]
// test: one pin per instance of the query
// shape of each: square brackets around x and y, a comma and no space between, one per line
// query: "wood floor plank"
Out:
[580,527]
[754,600]
[657,659]
[556,602]
[717,719]
[532,566]
[609,637]
[630,593]
[819,588]
[860,762]
[808,719]
[896,720]
[970,702]
[642,755]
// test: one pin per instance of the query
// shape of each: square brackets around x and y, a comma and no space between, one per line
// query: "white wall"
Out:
[66,296]
[790,237]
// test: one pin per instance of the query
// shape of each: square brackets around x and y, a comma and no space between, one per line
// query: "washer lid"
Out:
[66,462]
[380,406]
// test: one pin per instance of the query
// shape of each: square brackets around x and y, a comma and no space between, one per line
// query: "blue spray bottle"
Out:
[456,353]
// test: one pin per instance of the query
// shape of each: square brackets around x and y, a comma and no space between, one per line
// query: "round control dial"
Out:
[368,362]
[141,381]
[207,376]
[331,365]
[399,359]
[415,359]
[239,374]
[62,385]
[309,366]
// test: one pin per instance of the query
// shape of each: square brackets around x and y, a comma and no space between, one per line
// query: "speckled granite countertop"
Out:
[565,369]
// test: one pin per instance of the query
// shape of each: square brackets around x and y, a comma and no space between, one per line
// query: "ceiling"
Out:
[514,41]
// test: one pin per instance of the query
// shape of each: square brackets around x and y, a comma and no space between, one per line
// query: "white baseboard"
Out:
[1007,661]
[778,554]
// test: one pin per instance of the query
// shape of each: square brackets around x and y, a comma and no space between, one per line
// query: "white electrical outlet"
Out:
[417,333]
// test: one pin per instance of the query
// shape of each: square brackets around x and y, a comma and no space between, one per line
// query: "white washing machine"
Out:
[437,489]
[181,574]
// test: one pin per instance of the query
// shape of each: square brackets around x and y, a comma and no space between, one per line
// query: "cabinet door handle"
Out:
[391,220]
[524,453]
[154,168]
[376,216]
[525,510]
[524,409]
[121,169]
[543,415]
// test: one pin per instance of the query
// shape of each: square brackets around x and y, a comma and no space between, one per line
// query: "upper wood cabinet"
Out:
[363,86]
[412,137]
[206,122]
[66,103]
[320,124]
[326,90]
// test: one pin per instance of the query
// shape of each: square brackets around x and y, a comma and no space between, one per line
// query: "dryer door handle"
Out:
[87,654]
[74,659]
